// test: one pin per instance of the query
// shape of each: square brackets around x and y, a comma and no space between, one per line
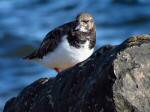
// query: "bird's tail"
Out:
[31,56]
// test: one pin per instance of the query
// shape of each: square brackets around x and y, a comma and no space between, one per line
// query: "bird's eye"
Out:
[85,21]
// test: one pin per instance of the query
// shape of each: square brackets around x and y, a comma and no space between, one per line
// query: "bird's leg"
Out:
[57,70]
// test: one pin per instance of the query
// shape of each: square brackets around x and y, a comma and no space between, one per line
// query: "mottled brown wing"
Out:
[52,40]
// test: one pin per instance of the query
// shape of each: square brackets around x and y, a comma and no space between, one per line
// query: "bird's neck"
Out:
[78,38]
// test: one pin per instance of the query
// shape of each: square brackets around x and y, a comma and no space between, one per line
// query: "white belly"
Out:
[65,56]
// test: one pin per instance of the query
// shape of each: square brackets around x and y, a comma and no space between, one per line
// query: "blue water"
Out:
[24,23]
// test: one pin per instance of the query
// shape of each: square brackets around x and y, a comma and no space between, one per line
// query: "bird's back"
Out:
[51,40]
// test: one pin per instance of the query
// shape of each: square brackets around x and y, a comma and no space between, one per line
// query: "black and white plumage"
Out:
[68,44]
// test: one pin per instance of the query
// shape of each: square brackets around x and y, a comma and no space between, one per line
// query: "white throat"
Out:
[82,29]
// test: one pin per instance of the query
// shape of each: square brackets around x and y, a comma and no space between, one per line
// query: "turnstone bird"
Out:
[67,45]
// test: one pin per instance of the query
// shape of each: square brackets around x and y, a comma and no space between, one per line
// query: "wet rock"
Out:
[114,78]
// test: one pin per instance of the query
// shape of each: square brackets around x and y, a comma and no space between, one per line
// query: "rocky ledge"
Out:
[114,78]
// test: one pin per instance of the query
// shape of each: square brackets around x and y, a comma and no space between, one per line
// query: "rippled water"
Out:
[23,24]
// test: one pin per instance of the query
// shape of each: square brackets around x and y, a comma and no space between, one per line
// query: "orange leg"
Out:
[57,70]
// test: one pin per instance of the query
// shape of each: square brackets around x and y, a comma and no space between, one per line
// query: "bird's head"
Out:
[85,22]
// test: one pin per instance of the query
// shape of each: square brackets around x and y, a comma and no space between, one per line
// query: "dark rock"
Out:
[114,78]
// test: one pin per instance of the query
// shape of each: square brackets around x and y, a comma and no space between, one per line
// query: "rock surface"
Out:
[114,78]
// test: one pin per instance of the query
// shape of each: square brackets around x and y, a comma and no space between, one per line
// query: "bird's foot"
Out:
[57,70]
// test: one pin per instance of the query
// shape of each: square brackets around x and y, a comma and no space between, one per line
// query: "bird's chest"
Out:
[76,53]
[66,55]
[78,40]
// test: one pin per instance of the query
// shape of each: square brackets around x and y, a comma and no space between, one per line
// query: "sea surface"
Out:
[24,23]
